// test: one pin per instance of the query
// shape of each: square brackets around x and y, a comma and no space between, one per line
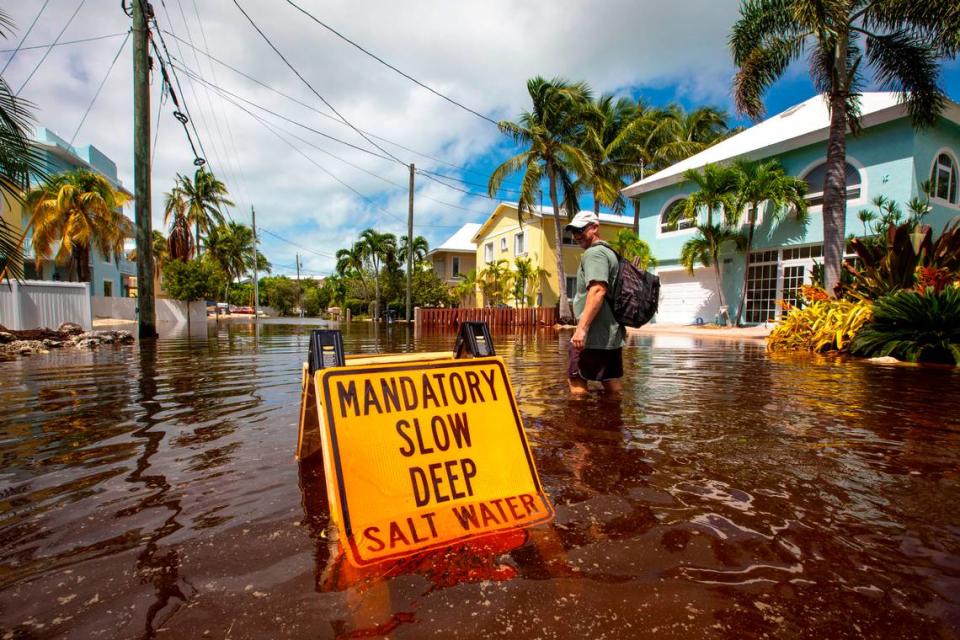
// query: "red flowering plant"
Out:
[936,278]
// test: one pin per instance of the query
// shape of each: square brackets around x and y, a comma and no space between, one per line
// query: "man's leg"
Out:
[613,385]
[578,386]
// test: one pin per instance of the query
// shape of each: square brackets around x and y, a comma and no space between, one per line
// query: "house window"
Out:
[943,179]
[456,267]
[793,277]
[107,288]
[571,282]
[675,208]
[761,287]
[816,177]
[488,252]
[519,244]
[503,244]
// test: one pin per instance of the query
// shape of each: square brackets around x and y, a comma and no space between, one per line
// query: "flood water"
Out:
[150,491]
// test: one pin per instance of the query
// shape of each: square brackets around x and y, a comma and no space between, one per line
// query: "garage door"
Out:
[685,297]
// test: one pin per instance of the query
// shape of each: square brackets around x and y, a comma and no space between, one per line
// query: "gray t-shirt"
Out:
[599,264]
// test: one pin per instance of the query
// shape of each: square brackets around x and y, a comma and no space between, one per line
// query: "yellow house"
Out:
[503,237]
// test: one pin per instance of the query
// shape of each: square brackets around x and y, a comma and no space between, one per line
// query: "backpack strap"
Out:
[619,258]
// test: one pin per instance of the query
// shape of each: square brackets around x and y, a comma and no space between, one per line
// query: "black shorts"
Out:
[595,364]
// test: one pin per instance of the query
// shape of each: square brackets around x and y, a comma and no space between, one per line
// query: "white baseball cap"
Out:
[581,220]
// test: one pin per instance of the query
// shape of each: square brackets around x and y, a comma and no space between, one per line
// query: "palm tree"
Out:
[180,243]
[680,134]
[608,124]
[630,247]
[526,281]
[204,195]
[161,253]
[467,286]
[18,160]
[379,248]
[717,187]
[764,182]
[902,41]
[78,210]
[352,262]
[495,280]
[420,249]
[549,133]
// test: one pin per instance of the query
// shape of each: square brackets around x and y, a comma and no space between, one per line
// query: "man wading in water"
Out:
[596,348]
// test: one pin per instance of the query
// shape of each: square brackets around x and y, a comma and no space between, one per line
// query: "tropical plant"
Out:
[495,280]
[821,325]
[420,250]
[609,124]
[716,193]
[161,253]
[351,262]
[630,247]
[79,210]
[914,326]
[680,134]
[205,197]
[549,134]
[179,242]
[764,183]
[466,287]
[901,40]
[379,248]
[883,268]
[18,160]
[192,280]
[230,246]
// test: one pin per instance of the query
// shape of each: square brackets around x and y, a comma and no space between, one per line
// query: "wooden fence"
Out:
[494,317]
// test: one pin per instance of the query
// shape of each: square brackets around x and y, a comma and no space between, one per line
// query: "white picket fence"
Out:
[32,304]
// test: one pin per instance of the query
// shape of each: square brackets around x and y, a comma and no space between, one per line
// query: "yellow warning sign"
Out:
[422,455]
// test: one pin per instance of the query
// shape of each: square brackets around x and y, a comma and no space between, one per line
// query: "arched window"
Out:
[943,179]
[816,177]
[680,222]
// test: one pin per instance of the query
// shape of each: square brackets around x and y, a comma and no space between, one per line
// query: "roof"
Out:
[540,212]
[800,125]
[459,241]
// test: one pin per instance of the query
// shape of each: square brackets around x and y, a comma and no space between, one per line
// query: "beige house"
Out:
[503,237]
[456,256]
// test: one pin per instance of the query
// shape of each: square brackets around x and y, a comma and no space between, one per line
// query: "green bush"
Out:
[913,326]
[192,280]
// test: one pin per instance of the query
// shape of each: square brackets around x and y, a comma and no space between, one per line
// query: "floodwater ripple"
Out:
[151,491]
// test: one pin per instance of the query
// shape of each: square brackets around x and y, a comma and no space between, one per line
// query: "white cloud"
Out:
[481,54]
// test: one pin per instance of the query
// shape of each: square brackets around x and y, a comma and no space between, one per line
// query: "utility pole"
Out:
[413,170]
[256,284]
[141,171]
[299,294]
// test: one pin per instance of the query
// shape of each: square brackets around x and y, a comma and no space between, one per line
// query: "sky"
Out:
[314,195]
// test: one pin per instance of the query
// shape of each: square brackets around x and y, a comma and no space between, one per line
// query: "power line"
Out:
[100,88]
[388,65]
[61,44]
[294,244]
[322,113]
[309,86]
[50,48]
[388,181]
[467,182]
[24,38]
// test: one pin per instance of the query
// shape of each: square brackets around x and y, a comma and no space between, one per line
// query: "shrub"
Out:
[914,326]
[821,325]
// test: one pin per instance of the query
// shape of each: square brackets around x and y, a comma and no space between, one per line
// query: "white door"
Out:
[685,297]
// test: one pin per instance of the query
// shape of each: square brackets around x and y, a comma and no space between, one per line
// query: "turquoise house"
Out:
[888,158]
[110,278]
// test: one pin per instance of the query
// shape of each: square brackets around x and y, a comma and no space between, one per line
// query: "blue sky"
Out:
[314,195]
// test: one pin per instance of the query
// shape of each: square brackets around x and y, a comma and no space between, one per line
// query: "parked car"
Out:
[242,310]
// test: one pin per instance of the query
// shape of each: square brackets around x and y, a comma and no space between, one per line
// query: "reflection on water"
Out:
[151,491]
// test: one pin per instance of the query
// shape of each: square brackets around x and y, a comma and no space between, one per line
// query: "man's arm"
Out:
[595,295]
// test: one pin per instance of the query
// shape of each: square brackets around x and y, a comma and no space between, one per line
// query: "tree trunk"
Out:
[376,284]
[197,228]
[835,193]
[565,312]
[746,266]
[715,254]
[636,217]
[596,203]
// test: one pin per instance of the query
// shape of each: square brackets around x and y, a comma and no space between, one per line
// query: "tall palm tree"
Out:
[760,182]
[180,243]
[18,160]
[902,41]
[352,262]
[495,280]
[636,148]
[378,248]
[680,133]
[549,133]
[420,249]
[715,195]
[79,210]
[205,196]
[607,124]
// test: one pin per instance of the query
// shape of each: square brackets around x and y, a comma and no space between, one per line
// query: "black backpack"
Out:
[635,294]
